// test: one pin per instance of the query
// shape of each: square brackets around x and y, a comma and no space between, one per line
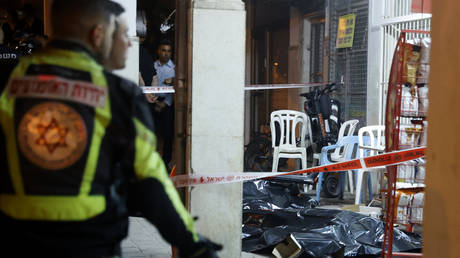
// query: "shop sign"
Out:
[346,31]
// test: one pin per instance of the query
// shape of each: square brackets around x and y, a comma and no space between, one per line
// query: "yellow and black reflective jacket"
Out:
[75,142]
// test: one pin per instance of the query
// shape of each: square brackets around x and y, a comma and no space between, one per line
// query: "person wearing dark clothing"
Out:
[30,24]
[146,66]
[9,27]
[66,124]
[8,60]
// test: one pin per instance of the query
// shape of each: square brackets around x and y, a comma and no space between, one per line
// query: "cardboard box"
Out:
[289,248]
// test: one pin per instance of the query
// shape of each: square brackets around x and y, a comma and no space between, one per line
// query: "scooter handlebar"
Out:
[330,87]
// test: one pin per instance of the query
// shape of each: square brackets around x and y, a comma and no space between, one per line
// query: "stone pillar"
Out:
[376,97]
[375,105]
[441,223]
[218,76]
[295,57]
[131,70]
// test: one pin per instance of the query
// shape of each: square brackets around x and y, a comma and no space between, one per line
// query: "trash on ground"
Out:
[274,212]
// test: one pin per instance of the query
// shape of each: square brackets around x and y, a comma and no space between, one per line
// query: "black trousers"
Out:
[164,129]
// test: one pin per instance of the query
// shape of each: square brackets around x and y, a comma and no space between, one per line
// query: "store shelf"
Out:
[406,127]
[405,185]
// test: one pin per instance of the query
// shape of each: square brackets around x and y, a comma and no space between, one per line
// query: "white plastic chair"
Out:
[288,121]
[371,142]
[347,144]
[316,155]
[341,151]
[346,129]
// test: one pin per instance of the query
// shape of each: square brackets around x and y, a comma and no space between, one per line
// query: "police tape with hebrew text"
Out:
[158,89]
[373,162]
[170,89]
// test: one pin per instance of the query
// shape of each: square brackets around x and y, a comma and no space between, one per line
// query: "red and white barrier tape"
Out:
[373,162]
[170,89]
[158,89]
[282,86]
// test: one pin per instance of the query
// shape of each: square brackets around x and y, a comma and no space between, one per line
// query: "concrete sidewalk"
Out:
[144,241]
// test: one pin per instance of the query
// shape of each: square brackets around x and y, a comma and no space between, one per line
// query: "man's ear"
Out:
[97,36]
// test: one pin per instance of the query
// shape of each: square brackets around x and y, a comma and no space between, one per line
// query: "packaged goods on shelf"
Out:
[412,59]
[420,171]
[424,68]
[409,207]
[409,102]
[403,200]
[422,100]
[416,212]
[424,135]
[406,172]
[410,135]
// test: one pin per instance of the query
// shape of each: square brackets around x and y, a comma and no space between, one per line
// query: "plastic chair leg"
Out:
[369,185]
[275,162]
[359,184]
[342,184]
[350,181]
[304,162]
[318,186]
[316,156]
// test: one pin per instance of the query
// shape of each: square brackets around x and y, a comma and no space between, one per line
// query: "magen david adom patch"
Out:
[52,135]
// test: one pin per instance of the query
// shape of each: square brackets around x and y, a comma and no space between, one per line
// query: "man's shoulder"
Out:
[122,84]
[170,64]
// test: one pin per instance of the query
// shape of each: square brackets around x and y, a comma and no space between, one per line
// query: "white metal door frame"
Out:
[386,20]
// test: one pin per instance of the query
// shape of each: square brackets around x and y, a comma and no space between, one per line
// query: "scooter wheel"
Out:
[331,186]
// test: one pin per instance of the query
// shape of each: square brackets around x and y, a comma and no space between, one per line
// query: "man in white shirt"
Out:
[163,112]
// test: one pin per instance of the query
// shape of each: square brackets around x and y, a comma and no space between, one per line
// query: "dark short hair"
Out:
[165,42]
[117,11]
[71,17]
[116,8]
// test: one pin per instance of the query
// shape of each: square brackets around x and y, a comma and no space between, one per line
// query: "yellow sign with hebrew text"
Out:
[346,31]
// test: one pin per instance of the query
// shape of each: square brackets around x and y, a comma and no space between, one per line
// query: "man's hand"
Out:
[151,98]
[159,105]
[141,80]
[169,81]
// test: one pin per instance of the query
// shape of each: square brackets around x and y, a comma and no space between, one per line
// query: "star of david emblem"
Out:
[52,135]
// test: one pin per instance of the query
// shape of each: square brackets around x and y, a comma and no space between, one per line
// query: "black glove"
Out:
[204,248]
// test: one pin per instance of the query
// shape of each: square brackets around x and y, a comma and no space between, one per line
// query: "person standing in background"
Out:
[8,60]
[146,68]
[163,111]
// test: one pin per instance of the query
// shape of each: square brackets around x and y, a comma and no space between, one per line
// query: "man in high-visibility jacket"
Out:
[75,141]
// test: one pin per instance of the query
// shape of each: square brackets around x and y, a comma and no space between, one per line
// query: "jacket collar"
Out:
[71,45]
[170,64]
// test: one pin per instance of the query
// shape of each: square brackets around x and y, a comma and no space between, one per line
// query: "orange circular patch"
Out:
[52,135]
